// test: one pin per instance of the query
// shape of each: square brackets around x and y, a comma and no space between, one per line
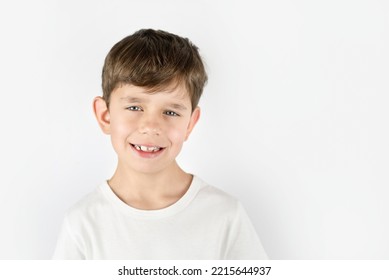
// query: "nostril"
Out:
[149,130]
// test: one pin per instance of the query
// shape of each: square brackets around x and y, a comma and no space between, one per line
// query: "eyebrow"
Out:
[178,106]
[130,99]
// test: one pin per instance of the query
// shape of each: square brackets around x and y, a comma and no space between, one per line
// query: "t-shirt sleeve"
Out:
[244,242]
[67,248]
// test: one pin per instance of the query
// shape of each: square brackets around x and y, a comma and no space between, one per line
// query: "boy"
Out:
[150,208]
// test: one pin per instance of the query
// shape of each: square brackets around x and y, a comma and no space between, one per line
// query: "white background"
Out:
[294,117]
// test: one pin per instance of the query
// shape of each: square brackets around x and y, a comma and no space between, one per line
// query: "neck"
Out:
[150,190]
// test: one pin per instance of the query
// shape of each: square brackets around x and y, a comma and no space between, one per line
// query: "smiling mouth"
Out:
[147,149]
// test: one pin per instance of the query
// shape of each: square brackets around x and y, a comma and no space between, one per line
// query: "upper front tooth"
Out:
[144,148]
[148,149]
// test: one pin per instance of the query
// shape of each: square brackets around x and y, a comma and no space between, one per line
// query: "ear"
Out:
[102,114]
[193,120]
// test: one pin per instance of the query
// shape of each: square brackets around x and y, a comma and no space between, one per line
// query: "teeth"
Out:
[147,149]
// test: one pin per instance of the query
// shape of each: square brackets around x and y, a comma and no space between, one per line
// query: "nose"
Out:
[150,125]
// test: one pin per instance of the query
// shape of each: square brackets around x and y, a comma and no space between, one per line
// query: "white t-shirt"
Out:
[205,223]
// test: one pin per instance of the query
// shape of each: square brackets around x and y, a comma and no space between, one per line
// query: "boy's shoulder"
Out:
[215,195]
[214,201]
[88,204]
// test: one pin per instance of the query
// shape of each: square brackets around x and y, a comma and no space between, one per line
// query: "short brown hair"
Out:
[154,59]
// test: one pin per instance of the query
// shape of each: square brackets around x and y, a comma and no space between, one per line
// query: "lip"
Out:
[148,155]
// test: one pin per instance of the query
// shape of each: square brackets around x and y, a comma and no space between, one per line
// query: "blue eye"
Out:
[171,113]
[134,108]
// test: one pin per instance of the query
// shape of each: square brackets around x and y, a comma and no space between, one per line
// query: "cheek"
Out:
[177,134]
[120,130]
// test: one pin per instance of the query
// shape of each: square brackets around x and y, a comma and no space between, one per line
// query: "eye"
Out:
[172,114]
[134,108]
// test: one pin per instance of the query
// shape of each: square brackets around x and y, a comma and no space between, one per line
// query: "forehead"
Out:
[126,91]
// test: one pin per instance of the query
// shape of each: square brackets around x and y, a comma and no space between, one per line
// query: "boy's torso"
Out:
[104,227]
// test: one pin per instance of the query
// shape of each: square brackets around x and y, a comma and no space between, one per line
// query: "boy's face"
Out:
[147,129]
